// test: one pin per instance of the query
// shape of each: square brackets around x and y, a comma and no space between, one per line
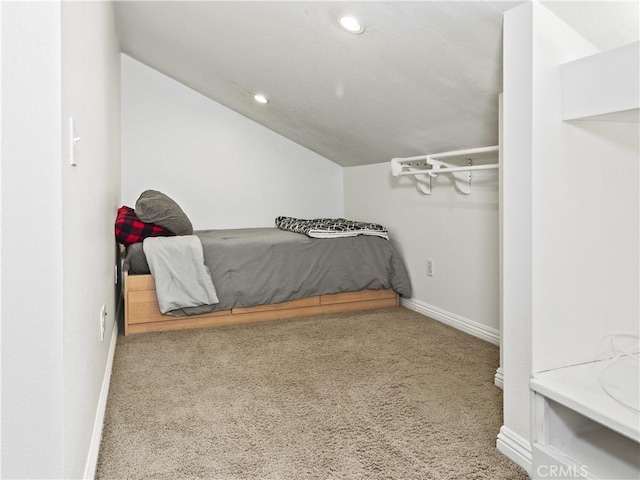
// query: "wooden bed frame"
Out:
[142,315]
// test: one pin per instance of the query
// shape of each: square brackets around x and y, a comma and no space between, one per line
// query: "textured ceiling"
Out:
[424,77]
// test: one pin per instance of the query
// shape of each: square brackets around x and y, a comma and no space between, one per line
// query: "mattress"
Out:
[258,266]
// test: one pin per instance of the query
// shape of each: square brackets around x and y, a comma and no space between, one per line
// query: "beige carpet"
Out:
[385,394]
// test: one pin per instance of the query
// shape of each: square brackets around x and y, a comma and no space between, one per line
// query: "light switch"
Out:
[73,141]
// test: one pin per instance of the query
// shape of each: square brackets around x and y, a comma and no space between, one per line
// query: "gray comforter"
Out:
[257,266]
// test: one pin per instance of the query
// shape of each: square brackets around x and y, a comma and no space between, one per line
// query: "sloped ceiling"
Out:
[424,77]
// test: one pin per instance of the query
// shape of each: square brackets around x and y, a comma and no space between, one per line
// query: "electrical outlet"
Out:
[103,321]
[430,268]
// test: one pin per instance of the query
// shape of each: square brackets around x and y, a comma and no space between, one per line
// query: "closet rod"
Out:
[452,153]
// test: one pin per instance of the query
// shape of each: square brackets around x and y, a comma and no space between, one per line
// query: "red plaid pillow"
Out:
[129,229]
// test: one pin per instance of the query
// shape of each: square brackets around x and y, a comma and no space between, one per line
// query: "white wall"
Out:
[458,232]
[90,198]
[516,233]
[586,242]
[571,226]
[58,59]
[224,170]
[32,356]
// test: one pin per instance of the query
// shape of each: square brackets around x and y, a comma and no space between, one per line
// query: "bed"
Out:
[251,274]
[266,273]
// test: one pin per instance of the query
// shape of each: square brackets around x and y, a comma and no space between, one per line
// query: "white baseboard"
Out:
[94,449]
[515,448]
[471,327]
[498,380]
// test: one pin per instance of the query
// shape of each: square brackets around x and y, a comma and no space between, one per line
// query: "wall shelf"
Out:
[577,387]
[579,427]
[603,87]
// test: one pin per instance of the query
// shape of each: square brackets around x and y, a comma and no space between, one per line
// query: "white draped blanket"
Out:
[182,279]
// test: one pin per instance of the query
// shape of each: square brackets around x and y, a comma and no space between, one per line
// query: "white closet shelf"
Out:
[578,387]
[604,86]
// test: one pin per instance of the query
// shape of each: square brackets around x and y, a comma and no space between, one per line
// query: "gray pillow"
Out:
[156,207]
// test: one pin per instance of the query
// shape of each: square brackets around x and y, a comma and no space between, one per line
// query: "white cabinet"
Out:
[585,419]
[579,431]
[571,251]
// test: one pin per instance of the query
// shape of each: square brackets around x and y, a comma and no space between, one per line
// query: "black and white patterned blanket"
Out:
[330,227]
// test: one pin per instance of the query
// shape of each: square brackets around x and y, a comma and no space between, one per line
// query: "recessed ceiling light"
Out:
[258,97]
[351,23]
